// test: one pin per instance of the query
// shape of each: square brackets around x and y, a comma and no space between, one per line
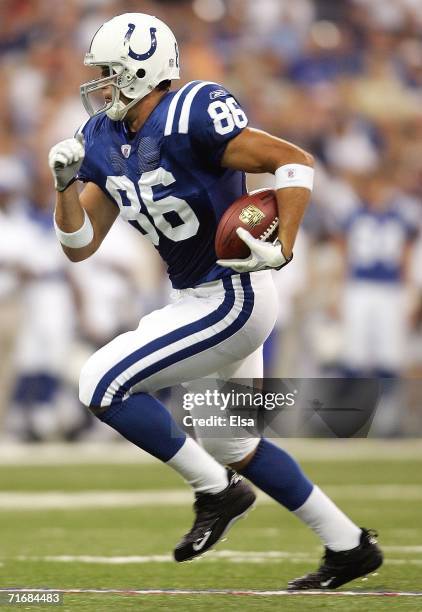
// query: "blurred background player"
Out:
[12,180]
[377,250]
[376,311]
[42,341]
[112,291]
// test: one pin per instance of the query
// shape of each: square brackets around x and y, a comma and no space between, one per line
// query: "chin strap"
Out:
[117,111]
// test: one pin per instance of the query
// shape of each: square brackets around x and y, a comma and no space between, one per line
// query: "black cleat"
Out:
[215,514]
[337,568]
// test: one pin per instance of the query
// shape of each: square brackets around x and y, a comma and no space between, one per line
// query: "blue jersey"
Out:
[167,179]
[375,244]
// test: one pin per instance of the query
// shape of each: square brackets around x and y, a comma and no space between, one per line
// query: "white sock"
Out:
[334,528]
[198,468]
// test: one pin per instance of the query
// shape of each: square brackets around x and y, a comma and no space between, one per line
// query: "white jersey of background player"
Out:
[171,163]
[42,342]
[377,239]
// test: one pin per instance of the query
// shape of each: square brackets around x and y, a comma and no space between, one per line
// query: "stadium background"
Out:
[343,80]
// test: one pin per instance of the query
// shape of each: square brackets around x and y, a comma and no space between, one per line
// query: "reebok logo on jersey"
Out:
[200,542]
[217,94]
[125,149]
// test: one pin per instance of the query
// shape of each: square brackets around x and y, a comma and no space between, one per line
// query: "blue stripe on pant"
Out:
[187,330]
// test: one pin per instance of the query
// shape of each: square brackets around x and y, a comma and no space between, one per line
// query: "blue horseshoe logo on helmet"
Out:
[152,49]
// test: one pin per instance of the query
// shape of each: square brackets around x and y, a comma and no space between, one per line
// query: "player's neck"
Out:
[137,115]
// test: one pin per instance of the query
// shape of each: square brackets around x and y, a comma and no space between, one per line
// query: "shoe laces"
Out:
[206,503]
[370,535]
[326,570]
[204,507]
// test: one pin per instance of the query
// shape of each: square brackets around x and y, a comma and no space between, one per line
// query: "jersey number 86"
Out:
[226,115]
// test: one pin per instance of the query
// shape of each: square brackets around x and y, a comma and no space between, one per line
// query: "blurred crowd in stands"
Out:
[342,79]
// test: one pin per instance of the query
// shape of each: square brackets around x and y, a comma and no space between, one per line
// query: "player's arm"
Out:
[255,151]
[70,212]
[81,220]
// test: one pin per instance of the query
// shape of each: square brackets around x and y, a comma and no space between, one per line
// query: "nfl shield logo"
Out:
[126,150]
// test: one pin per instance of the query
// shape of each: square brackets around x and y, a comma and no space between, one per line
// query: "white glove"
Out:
[65,159]
[264,255]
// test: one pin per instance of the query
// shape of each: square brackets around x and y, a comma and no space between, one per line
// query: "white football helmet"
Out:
[135,52]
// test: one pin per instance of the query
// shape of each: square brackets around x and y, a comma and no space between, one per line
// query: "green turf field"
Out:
[87,527]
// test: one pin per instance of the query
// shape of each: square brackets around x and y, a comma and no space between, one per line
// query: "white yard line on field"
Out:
[232,556]
[75,500]
[116,452]
[403,549]
[239,592]
[235,556]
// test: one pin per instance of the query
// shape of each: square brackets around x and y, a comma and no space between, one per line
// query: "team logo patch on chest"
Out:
[125,149]
[251,215]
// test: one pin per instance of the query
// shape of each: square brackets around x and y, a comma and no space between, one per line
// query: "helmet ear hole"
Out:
[140,73]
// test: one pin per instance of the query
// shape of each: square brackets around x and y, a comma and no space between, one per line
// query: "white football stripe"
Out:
[170,349]
[187,103]
[172,109]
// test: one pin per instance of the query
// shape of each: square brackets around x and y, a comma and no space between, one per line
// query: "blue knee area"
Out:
[276,473]
[144,420]
[23,391]
[36,388]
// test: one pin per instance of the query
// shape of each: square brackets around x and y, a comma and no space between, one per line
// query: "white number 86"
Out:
[226,115]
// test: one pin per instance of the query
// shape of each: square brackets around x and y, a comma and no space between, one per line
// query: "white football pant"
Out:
[213,330]
[374,317]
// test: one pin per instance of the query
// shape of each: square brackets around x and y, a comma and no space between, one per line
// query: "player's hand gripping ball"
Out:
[246,238]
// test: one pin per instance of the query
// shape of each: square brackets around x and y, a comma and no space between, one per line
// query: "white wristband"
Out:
[294,175]
[76,240]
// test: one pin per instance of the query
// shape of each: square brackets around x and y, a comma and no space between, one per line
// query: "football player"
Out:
[170,163]
[376,245]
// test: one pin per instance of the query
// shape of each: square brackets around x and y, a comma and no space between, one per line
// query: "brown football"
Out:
[257,212]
